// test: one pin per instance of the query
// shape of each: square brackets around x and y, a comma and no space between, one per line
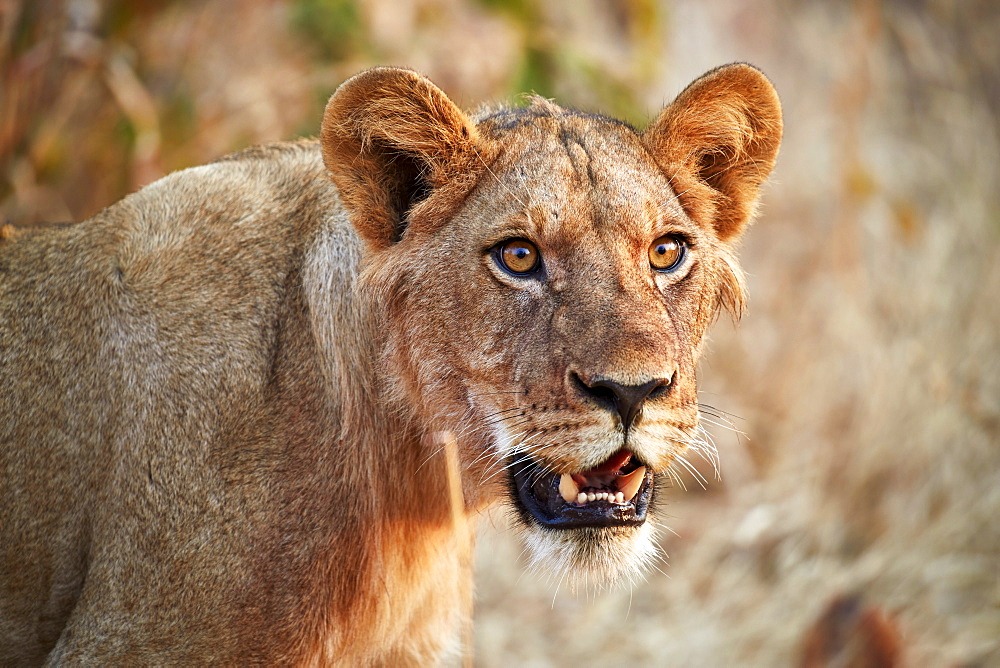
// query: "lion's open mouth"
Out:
[615,493]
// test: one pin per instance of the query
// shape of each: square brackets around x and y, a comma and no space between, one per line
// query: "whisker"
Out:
[723,426]
[490,423]
[502,184]
[508,466]
[501,412]
[489,453]
[672,476]
[710,407]
[699,478]
[512,425]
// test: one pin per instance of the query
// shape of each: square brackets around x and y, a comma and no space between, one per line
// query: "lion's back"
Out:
[183,279]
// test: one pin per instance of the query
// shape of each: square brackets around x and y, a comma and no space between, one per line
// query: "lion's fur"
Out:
[221,393]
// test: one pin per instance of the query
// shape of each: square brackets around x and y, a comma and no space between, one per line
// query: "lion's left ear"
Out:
[389,136]
[718,141]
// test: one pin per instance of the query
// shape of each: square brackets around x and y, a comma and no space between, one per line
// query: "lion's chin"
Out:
[588,528]
[592,557]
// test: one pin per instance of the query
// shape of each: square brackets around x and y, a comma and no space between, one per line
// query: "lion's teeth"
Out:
[570,491]
[629,484]
[568,488]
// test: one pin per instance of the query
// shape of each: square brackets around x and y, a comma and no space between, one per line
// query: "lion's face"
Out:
[548,306]
[563,306]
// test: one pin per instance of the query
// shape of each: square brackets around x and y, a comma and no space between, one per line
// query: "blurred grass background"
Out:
[866,375]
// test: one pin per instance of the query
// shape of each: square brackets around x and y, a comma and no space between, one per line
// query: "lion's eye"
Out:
[666,253]
[518,256]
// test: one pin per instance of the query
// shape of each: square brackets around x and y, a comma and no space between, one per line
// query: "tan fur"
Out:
[221,395]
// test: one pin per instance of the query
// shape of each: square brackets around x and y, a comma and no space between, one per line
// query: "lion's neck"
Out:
[393,564]
[399,568]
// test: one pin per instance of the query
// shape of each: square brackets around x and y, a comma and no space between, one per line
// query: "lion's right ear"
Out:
[389,137]
[718,142]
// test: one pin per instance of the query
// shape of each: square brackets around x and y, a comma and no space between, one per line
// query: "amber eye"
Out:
[518,256]
[666,253]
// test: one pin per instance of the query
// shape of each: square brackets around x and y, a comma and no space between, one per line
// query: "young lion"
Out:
[227,399]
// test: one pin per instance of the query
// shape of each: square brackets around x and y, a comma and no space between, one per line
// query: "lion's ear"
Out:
[389,136]
[718,141]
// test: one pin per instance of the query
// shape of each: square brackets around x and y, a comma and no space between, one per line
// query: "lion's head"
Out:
[546,279]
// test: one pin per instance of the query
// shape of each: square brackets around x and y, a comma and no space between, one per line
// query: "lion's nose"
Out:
[626,400]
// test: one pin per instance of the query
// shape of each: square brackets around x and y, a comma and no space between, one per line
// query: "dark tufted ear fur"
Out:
[718,141]
[389,138]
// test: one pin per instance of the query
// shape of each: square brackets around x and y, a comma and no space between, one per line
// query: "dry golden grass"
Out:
[866,374]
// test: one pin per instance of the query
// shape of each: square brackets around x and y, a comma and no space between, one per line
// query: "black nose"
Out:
[627,400]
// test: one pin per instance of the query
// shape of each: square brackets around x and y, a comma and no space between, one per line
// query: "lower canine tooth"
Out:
[619,498]
[568,488]
[581,498]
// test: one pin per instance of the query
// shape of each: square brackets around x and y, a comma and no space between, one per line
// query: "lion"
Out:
[230,400]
